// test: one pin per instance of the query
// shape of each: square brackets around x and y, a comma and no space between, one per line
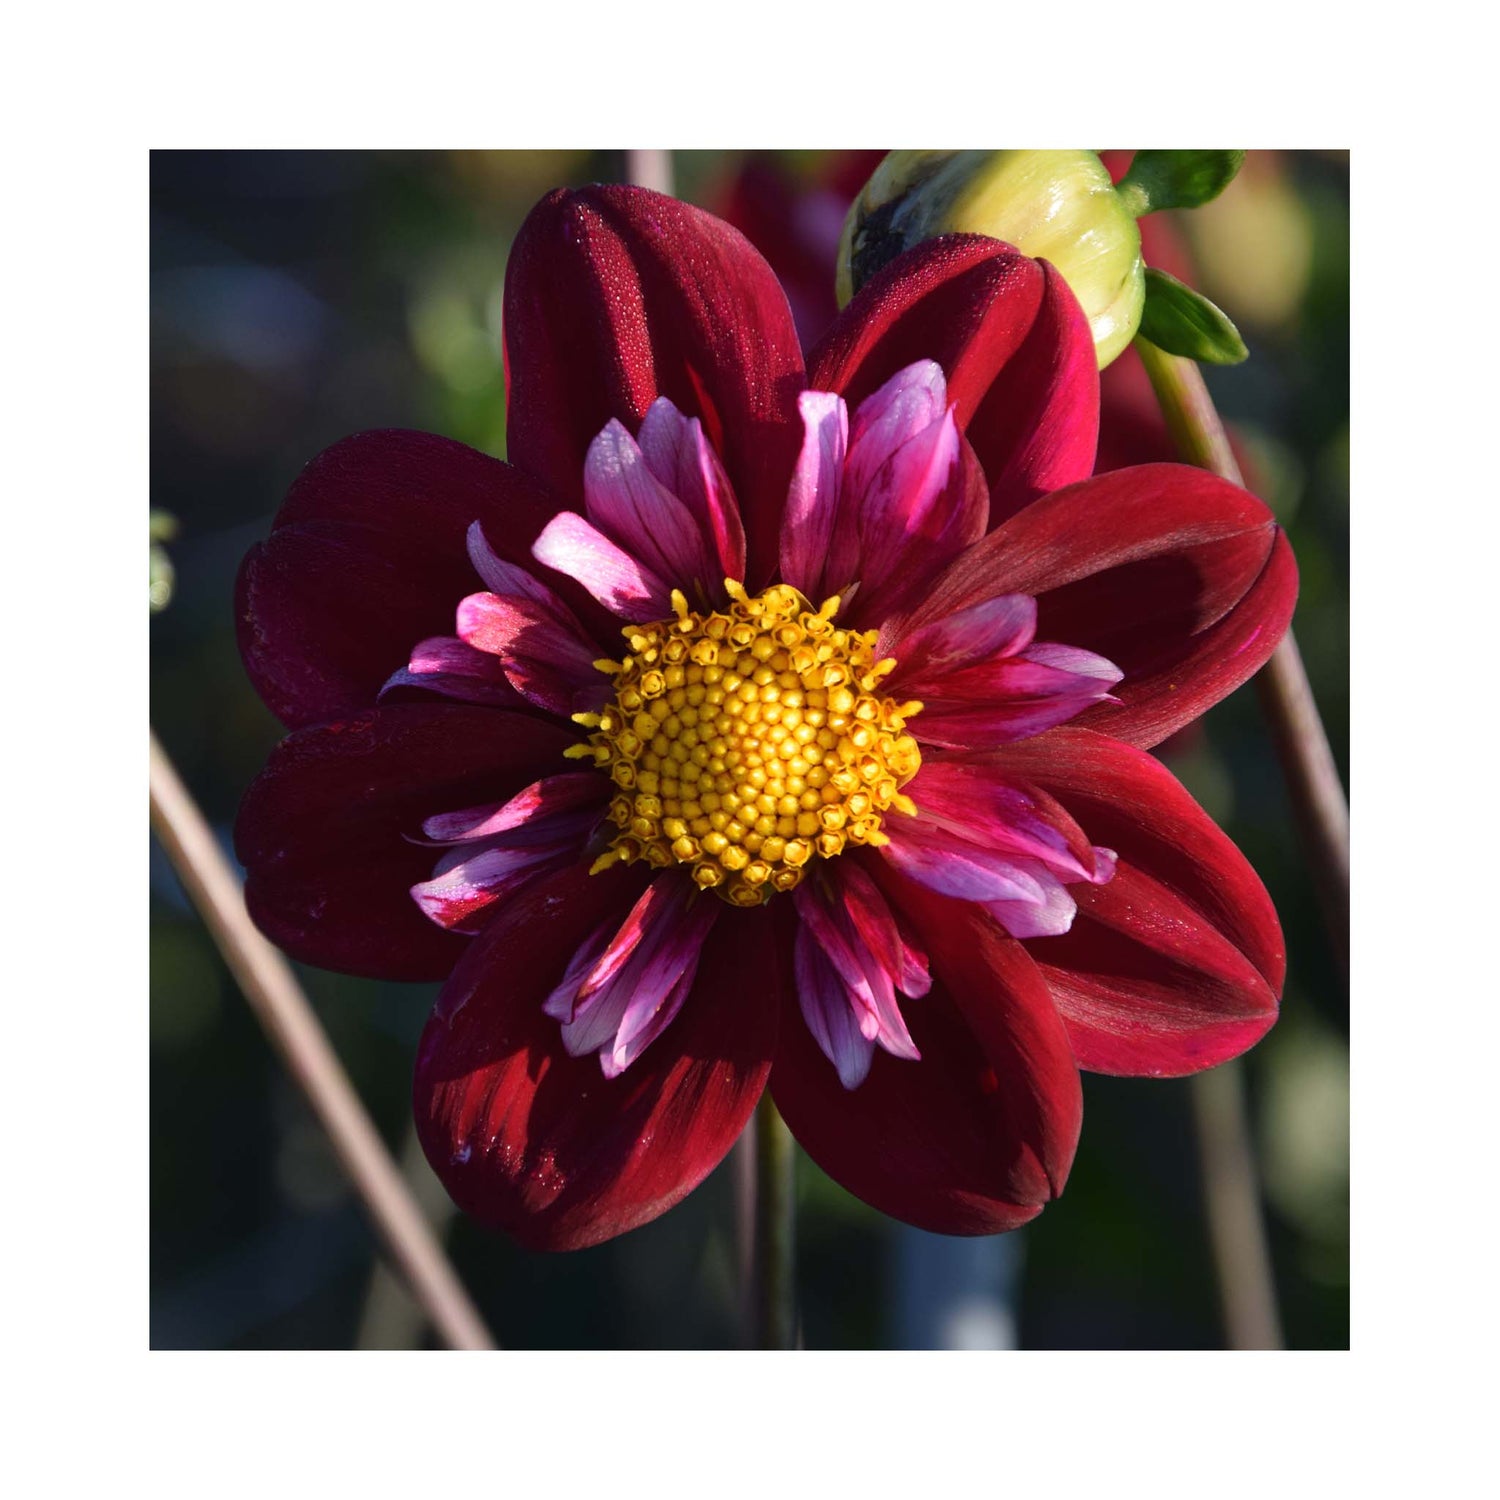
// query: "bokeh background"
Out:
[298,297]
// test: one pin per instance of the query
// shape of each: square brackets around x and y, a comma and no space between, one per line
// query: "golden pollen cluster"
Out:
[747,742]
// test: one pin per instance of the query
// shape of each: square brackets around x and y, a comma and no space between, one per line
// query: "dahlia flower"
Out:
[760,726]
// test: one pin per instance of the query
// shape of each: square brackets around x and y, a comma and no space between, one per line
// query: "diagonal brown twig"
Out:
[293,1029]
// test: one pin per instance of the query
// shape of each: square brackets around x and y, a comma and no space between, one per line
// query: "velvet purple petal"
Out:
[1012,341]
[532,1141]
[1181,579]
[1177,963]
[325,831]
[979,1134]
[615,296]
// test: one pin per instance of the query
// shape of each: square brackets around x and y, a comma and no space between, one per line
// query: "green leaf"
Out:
[1182,321]
[1177,179]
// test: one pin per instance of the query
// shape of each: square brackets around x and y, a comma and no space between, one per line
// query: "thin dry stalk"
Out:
[294,1031]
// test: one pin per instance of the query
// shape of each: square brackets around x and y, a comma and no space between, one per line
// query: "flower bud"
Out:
[1058,206]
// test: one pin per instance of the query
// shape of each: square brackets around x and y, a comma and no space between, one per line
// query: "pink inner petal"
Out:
[637,983]
[546,658]
[861,958]
[630,505]
[826,1009]
[501,577]
[813,496]
[998,627]
[542,799]
[617,580]
[447,665]
[679,455]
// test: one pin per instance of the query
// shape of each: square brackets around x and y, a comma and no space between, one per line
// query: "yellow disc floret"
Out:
[747,742]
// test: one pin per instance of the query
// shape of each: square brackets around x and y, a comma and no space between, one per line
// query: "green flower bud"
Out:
[1058,206]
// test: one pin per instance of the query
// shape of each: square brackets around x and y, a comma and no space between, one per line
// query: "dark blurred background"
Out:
[298,297]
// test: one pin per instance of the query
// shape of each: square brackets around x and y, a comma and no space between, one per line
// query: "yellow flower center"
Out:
[748,742]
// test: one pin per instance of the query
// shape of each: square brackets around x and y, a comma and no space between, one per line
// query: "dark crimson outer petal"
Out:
[1177,963]
[367,557]
[324,831]
[615,296]
[976,1136]
[1180,578]
[542,1145]
[1012,341]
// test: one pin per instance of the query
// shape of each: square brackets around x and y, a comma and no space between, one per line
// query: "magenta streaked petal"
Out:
[813,497]
[1073,660]
[830,1018]
[679,455]
[912,494]
[916,973]
[502,577]
[872,920]
[912,399]
[463,890]
[899,499]
[645,1018]
[563,999]
[1001,626]
[943,862]
[618,581]
[863,958]
[546,798]
[444,664]
[1052,917]
[639,980]
[546,657]
[631,506]
[1011,698]
[974,803]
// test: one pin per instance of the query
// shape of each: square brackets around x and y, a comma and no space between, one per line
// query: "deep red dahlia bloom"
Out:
[756,726]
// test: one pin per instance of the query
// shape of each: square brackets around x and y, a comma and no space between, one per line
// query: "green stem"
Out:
[1319,805]
[773,1283]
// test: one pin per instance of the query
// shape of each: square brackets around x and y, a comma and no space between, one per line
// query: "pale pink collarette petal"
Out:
[830,1017]
[473,877]
[813,497]
[446,665]
[1014,698]
[1009,848]
[627,502]
[983,680]
[996,627]
[623,585]
[681,457]
[547,798]
[912,399]
[850,959]
[546,658]
[977,806]
[507,578]
[907,497]
[622,991]
[497,849]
